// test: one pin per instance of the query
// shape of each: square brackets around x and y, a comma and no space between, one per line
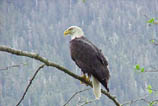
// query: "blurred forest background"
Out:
[118,27]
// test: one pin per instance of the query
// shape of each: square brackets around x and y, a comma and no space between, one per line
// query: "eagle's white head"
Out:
[74,31]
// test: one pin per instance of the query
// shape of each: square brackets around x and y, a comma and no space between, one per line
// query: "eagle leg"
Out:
[85,78]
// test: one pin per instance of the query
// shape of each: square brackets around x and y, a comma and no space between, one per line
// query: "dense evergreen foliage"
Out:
[118,27]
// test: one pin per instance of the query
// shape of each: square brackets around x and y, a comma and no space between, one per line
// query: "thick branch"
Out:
[49,63]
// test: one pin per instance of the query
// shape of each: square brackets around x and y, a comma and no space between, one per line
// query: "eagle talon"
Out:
[85,78]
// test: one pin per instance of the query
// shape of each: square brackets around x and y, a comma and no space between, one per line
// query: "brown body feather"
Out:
[90,59]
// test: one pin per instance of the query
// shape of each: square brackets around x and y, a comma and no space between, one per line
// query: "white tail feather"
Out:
[96,87]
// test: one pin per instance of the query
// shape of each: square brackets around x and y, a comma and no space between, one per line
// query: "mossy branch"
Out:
[49,63]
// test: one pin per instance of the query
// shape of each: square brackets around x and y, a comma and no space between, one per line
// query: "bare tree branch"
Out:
[143,98]
[146,16]
[151,71]
[136,100]
[154,41]
[49,63]
[87,102]
[153,102]
[155,21]
[75,95]
[28,86]
[12,66]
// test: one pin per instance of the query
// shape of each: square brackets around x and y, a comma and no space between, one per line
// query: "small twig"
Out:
[75,95]
[151,71]
[155,21]
[154,102]
[155,90]
[87,102]
[155,44]
[146,16]
[154,41]
[136,100]
[12,66]
[29,84]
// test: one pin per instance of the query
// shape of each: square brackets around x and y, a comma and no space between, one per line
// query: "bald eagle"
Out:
[89,59]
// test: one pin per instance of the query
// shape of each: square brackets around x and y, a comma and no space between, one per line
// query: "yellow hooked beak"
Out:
[66,32]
